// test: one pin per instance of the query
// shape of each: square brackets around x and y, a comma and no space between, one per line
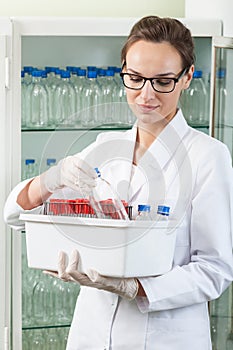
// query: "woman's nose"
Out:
[147,92]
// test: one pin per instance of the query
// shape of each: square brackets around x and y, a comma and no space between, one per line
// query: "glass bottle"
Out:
[194,101]
[51,84]
[220,100]
[123,115]
[52,339]
[79,84]
[91,97]
[64,101]
[61,298]
[39,114]
[37,340]
[108,92]
[101,73]
[73,72]
[24,99]
[41,300]
[28,74]
[29,169]
[63,337]
[50,162]
[106,201]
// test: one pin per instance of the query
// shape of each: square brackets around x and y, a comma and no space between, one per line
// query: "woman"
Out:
[161,159]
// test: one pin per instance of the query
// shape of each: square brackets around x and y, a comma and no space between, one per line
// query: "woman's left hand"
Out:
[125,287]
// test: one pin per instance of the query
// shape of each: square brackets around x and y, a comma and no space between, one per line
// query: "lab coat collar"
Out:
[167,142]
[152,162]
[160,153]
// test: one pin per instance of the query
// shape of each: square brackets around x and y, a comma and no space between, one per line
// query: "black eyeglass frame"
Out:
[180,75]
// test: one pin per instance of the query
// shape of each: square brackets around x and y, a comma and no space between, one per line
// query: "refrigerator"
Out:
[62,42]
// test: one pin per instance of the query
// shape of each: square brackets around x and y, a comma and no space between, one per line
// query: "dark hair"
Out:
[157,30]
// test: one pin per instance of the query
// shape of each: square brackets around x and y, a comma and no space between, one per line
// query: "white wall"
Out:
[90,8]
[217,9]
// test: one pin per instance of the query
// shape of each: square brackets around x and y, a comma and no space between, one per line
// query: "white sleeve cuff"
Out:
[12,209]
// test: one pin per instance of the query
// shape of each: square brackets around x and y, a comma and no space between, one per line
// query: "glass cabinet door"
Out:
[222,128]
[222,114]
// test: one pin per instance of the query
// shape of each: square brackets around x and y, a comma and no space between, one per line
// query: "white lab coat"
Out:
[192,173]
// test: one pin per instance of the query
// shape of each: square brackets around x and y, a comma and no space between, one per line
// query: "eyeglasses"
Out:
[161,84]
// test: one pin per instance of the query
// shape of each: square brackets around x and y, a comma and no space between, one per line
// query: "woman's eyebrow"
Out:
[156,75]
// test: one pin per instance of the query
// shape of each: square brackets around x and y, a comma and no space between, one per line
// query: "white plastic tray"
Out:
[112,247]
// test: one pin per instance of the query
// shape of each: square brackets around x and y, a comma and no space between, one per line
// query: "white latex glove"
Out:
[125,287]
[72,172]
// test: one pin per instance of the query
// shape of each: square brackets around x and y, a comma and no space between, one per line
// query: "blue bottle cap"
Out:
[163,210]
[37,73]
[57,71]
[101,72]
[97,172]
[50,161]
[70,68]
[81,72]
[44,74]
[53,69]
[91,68]
[112,68]
[47,69]
[65,74]
[221,73]
[109,72]
[144,207]
[197,74]
[28,69]
[92,74]
[117,70]
[29,161]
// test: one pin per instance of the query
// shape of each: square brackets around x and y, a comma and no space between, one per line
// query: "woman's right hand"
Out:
[72,172]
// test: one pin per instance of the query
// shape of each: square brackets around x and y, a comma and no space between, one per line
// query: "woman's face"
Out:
[153,60]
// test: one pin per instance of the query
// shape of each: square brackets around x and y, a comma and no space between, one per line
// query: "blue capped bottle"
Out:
[194,101]
[51,84]
[79,83]
[108,93]
[91,97]
[24,101]
[39,115]
[50,162]
[220,99]
[144,213]
[29,168]
[163,213]
[123,115]
[28,74]
[101,73]
[64,101]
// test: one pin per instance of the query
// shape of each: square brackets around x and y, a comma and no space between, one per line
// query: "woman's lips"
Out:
[146,108]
